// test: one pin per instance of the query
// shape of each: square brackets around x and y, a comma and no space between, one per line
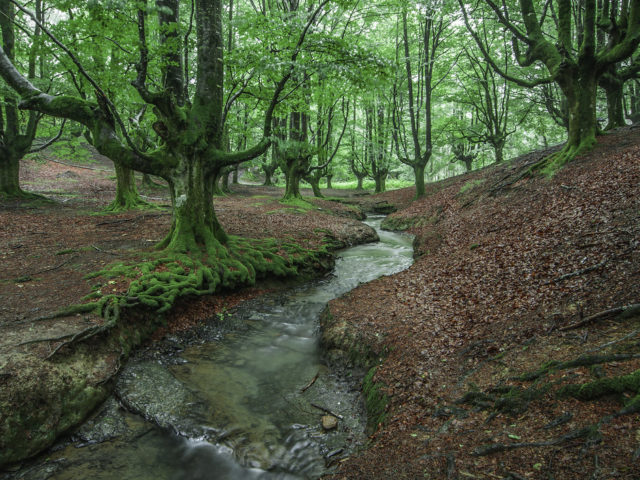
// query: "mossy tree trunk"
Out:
[295,155]
[381,182]
[127,197]
[10,175]
[314,181]
[329,178]
[293,174]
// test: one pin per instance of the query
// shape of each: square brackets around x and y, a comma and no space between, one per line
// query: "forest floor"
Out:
[506,350]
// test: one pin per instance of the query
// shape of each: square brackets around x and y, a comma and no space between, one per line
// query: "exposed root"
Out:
[604,386]
[591,432]
[626,311]
[157,283]
[582,361]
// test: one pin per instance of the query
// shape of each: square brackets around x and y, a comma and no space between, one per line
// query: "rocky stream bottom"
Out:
[246,395]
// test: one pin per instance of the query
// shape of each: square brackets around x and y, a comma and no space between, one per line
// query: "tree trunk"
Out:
[498,151]
[329,178]
[224,182]
[292,179]
[195,227]
[315,186]
[580,91]
[235,174]
[418,171]
[381,182]
[269,170]
[127,197]
[216,191]
[615,108]
[360,179]
[10,175]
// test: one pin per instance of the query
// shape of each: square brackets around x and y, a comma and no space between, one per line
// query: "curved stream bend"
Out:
[236,403]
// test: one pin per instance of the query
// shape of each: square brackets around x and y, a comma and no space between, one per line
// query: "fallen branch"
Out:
[326,410]
[626,310]
[613,342]
[581,272]
[501,447]
[54,268]
[308,385]
[97,249]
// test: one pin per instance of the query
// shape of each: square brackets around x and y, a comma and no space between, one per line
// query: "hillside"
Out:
[511,348]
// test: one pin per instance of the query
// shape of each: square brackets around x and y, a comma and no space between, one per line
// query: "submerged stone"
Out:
[329,422]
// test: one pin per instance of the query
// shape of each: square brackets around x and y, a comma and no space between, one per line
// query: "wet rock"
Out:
[150,390]
[107,424]
[68,174]
[329,422]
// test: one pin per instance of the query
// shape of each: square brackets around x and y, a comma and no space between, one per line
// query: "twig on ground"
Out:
[613,342]
[501,447]
[54,268]
[308,385]
[581,272]
[326,410]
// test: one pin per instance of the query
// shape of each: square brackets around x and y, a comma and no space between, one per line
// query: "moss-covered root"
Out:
[128,203]
[550,165]
[604,386]
[375,401]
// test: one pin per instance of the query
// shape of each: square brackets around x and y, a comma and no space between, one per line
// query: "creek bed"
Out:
[232,407]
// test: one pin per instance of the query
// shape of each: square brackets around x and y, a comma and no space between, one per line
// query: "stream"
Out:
[232,406]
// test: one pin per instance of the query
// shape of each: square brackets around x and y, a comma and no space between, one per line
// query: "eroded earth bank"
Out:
[511,348]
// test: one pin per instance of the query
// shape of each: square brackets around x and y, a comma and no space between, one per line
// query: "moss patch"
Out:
[376,401]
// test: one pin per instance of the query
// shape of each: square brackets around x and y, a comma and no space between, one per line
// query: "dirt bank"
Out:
[505,351]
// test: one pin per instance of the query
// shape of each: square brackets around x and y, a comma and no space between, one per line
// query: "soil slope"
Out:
[505,350]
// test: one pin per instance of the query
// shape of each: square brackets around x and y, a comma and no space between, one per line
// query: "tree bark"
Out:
[615,107]
[127,197]
[418,171]
[10,175]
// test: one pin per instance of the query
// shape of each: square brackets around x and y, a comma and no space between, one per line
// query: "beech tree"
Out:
[190,125]
[17,137]
[548,34]
[415,148]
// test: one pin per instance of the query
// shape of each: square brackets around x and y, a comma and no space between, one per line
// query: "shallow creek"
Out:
[232,407]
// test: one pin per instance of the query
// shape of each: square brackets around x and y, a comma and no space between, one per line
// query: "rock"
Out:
[68,174]
[329,422]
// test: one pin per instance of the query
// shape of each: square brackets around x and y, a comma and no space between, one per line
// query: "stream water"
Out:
[235,404]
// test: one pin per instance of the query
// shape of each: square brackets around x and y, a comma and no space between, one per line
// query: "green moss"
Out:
[604,386]
[65,252]
[470,185]
[376,401]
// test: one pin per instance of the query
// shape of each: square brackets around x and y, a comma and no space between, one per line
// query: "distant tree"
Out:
[419,84]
